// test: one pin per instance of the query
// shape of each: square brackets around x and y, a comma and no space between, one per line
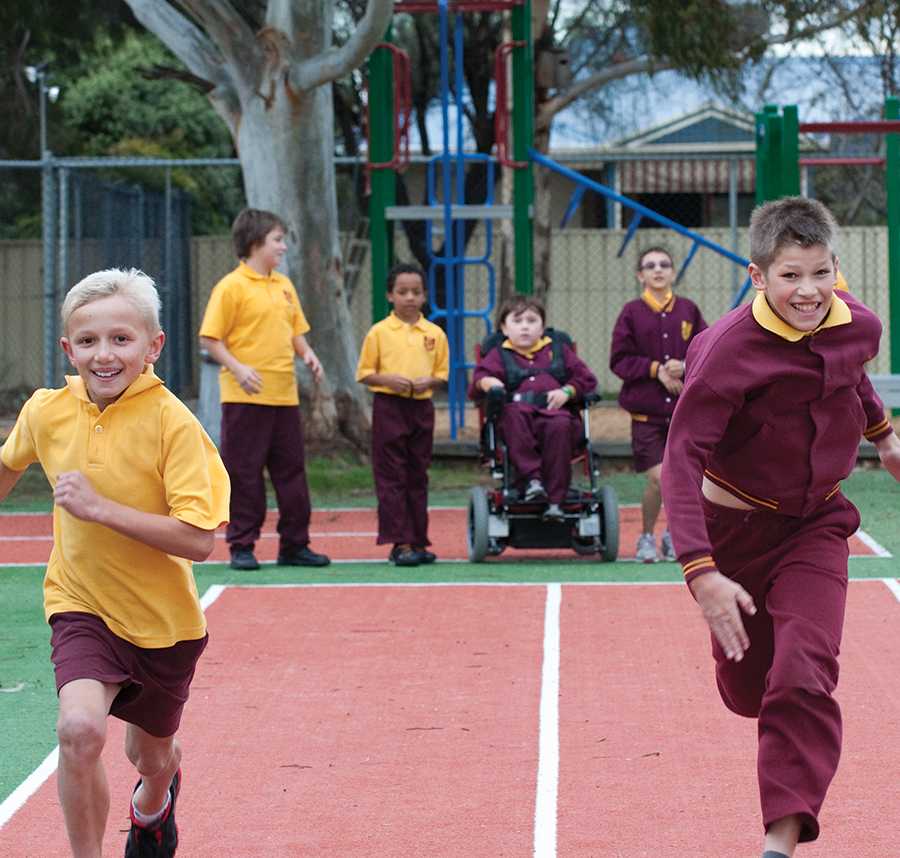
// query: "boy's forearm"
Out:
[301,347]
[162,532]
[889,452]
[8,479]
[376,379]
[219,352]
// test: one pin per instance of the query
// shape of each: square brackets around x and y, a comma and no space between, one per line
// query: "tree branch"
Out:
[646,64]
[639,65]
[814,29]
[337,62]
[184,38]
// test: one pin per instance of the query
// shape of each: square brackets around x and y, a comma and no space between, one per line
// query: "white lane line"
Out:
[17,798]
[871,544]
[893,585]
[548,742]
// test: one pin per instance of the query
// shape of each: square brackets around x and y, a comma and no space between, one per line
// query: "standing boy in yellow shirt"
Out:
[404,358]
[253,327]
[139,490]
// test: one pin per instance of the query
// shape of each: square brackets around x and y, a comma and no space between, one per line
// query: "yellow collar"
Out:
[838,314]
[650,300]
[529,353]
[252,273]
[144,381]
[396,322]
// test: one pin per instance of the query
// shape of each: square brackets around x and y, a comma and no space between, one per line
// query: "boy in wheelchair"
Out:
[531,378]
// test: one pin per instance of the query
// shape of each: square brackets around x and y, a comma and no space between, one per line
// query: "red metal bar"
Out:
[501,105]
[402,110]
[879,126]
[841,162]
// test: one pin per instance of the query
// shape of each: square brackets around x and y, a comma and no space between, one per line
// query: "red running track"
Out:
[402,722]
[347,722]
[342,534]
[652,764]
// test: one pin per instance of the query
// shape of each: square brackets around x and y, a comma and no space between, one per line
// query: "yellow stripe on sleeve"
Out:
[876,429]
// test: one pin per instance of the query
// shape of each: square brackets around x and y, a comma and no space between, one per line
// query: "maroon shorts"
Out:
[155,682]
[648,443]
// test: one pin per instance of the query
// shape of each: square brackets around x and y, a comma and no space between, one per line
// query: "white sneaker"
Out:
[535,492]
[646,549]
[554,512]
[666,549]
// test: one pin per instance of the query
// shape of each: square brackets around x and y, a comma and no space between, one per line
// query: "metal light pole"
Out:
[38,74]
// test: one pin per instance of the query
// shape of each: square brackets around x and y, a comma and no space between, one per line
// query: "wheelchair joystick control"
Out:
[495,399]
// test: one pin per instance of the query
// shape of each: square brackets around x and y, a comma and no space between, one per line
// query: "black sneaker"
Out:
[243,559]
[161,840]
[305,556]
[403,555]
[425,556]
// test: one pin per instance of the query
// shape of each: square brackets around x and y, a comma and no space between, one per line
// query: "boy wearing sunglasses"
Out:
[649,343]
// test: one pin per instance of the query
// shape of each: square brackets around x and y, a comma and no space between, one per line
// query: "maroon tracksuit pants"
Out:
[540,445]
[402,440]
[796,571]
[255,437]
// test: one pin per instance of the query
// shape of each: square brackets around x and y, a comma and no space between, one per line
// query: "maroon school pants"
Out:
[796,571]
[540,445]
[402,440]
[271,437]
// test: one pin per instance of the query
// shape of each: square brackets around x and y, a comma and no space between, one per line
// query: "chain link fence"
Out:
[98,219]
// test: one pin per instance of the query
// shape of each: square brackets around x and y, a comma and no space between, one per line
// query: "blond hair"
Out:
[132,284]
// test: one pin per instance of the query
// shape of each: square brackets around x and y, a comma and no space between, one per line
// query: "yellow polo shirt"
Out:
[413,351]
[145,450]
[257,317]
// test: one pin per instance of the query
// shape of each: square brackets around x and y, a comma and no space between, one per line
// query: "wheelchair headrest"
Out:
[492,341]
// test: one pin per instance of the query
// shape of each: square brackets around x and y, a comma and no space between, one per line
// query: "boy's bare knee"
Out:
[81,736]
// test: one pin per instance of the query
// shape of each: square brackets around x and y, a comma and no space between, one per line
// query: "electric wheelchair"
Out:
[499,517]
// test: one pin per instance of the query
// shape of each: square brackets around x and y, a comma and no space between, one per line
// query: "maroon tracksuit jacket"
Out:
[540,441]
[774,417]
[643,338]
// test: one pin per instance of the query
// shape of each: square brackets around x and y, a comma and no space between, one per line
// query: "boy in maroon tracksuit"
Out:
[769,421]
[649,342]
[540,375]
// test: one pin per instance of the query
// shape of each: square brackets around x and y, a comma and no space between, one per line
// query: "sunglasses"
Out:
[649,266]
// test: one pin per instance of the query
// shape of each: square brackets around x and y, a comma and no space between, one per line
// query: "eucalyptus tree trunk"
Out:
[288,168]
[270,68]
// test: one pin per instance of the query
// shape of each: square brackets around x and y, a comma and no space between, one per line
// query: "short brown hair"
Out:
[519,304]
[790,220]
[250,228]
[655,249]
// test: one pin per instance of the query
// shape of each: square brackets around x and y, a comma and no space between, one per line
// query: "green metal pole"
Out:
[384,187]
[774,136]
[790,151]
[523,138]
[892,178]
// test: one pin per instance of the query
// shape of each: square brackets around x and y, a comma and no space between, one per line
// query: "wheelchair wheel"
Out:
[610,523]
[478,524]
[587,547]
